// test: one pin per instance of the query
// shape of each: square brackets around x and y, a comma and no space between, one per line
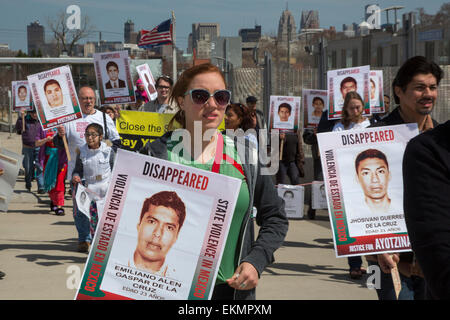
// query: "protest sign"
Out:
[10,164]
[314,103]
[136,128]
[318,194]
[342,81]
[376,91]
[284,113]
[112,70]
[364,184]
[162,231]
[83,200]
[21,96]
[54,97]
[145,74]
[293,197]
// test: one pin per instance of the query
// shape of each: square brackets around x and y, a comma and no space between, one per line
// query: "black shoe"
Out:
[59,212]
[2,275]
[41,191]
[311,213]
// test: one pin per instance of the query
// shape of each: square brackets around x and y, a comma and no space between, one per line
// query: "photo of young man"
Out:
[55,100]
[372,170]
[284,112]
[112,69]
[53,93]
[161,219]
[22,94]
[318,106]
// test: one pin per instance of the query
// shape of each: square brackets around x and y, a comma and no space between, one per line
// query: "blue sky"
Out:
[109,16]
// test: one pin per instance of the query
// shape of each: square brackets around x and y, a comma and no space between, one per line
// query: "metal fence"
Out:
[288,81]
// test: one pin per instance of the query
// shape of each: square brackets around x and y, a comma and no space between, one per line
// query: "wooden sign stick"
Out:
[396,281]
[23,121]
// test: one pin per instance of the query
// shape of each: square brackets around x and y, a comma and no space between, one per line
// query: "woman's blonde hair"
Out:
[181,86]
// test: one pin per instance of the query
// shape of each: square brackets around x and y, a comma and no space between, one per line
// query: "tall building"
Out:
[310,20]
[286,27]
[250,35]
[201,31]
[129,35]
[202,35]
[35,36]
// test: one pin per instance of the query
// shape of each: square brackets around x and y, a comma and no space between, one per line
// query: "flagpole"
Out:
[174,50]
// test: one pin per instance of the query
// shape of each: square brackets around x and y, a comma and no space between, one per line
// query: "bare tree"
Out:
[443,15]
[424,18]
[67,39]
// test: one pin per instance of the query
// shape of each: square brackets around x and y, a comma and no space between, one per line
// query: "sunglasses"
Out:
[200,96]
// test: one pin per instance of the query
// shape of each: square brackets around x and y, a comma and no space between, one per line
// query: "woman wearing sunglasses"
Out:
[202,97]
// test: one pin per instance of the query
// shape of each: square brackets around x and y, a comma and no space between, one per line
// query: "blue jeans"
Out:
[82,222]
[32,167]
[413,288]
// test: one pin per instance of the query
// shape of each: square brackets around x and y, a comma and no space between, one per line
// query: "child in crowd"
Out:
[94,165]
[55,172]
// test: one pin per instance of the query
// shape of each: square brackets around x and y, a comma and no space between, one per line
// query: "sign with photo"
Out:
[21,96]
[145,74]
[10,164]
[162,231]
[364,187]
[318,194]
[342,81]
[315,102]
[284,113]
[112,70]
[376,91]
[293,197]
[55,97]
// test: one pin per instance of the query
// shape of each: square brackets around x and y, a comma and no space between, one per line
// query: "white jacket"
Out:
[94,166]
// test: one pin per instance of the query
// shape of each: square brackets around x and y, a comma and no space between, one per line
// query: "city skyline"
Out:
[109,16]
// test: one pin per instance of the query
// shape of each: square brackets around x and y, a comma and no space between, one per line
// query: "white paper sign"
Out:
[83,200]
[162,231]
[284,113]
[145,74]
[363,178]
[293,197]
[319,196]
[342,81]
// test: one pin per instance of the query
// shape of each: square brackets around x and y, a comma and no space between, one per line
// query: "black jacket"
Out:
[426,180]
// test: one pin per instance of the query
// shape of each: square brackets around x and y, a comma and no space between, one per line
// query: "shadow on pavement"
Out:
[66,245]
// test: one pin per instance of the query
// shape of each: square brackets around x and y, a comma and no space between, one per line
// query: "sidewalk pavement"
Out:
[38,254]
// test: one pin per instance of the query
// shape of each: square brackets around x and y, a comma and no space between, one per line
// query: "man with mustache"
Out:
[162,217]
[415,91]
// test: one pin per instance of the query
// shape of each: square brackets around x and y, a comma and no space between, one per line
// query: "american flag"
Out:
[158,36]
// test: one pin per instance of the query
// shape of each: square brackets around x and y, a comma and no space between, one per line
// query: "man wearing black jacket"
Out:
[426,180]
[415,91]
